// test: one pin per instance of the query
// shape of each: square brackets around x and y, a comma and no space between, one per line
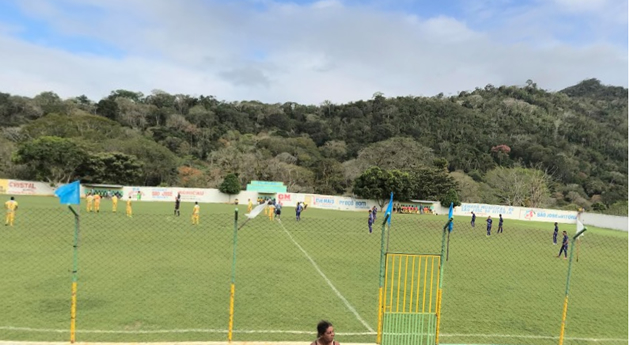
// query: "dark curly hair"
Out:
[322,326]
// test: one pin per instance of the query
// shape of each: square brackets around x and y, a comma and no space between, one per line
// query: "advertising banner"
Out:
[15,187]
[323,201]
[4,186]
[543,215]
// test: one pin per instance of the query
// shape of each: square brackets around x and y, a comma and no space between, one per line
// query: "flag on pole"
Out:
[390,206]
[450,215]
[256,211]
[579,227]
[69,194]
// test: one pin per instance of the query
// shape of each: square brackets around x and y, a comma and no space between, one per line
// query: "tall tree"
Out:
[52,159]
[432,183]
[112,167]
[519,186]
[230,185]
[377,184]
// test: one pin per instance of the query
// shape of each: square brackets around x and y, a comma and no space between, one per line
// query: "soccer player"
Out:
[11,207]
[565,245]
[178,199]
[129,210]
[489,226]
[89,198]
[114,203]
[195,214]
[472,221]
[370,220]
[272,209]
[249,205]
[97,203]
[278,210]
[500,229]
[374,210]
[298,210]
[555,233]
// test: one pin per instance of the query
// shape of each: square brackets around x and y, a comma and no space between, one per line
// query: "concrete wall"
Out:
[605,221]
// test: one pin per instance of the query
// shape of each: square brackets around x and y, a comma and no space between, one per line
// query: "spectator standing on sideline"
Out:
[325,334]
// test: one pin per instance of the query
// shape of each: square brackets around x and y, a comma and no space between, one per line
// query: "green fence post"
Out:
[381,281]
[441,277]
[566,291]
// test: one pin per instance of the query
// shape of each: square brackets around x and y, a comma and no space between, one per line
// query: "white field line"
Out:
[529,337]
[343,299]
[201,330]
[158,331]
[169,343]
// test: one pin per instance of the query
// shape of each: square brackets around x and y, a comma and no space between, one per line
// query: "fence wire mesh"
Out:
[156,277]
[290,274]
[35,272]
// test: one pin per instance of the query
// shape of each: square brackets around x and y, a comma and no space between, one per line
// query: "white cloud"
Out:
[311,53]
[582,5]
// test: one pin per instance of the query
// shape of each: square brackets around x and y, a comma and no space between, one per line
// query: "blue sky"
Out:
[36,30]
[308,51]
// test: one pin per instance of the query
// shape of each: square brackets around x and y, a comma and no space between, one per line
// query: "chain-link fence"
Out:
[35,275]
[157,277]
[509,287]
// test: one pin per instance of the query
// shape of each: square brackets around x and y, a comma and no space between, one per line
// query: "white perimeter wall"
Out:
[605,221]
[331,202]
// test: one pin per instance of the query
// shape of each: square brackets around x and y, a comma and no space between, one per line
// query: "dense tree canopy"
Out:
[573,143]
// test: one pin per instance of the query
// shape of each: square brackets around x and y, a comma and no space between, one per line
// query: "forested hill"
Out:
[576,140]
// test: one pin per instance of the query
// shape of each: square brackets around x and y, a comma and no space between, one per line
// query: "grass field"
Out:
[155,277]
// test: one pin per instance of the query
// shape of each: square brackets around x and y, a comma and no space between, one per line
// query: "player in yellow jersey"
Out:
[97,203]
[89,198]
[129,211]
[195,214]
[11,207]
[114,203]
[249,205]
[272,210]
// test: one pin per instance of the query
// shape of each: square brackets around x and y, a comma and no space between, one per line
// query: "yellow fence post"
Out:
[75,267]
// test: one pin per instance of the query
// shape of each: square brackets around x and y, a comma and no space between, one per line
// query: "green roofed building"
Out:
[266,187]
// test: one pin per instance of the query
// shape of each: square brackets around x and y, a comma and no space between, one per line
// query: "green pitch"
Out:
[156,277]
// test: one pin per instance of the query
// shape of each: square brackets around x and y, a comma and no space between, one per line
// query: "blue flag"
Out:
[450,215]
[70,194]
[389,208]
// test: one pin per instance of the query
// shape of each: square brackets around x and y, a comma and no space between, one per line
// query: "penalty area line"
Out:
[343,299]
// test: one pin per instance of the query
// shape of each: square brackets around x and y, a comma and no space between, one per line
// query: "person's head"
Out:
[564,232]
[325,331]
[500,216]
[556,223]
[471,212]
[489,217]
[196,202]
[12,198]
